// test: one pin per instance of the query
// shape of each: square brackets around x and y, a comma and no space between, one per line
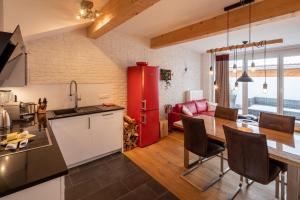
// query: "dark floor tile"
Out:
[156,187]
[118,162]
[114,156]
[68,183]
[143,192]
[92,164]
[126,170]
[168,196]
[89,173]
[129,196]
[135,179]
[81,190]
[110,192]
[108,179]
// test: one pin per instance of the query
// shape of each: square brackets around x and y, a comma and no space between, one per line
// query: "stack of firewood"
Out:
[130,133]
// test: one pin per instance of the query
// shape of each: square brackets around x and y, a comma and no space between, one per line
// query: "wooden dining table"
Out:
[282,146]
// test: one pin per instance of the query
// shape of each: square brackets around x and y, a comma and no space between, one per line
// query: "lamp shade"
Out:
[245,78]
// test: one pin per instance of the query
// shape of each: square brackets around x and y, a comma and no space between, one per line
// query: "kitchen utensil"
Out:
[23,143]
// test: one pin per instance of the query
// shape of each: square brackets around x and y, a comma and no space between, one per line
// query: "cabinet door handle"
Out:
[144,104]
[89,123]
[144,119]
[107,114]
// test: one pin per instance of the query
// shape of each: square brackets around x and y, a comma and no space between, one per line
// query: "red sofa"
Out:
[198,107]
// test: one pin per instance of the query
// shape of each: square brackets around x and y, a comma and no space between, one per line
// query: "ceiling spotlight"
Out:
[211,71]
[86,11]
[265,88]
[236,86]
[215,85]
[234,68]
[252,68]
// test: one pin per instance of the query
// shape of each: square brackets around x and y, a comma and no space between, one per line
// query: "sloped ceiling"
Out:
[38,16]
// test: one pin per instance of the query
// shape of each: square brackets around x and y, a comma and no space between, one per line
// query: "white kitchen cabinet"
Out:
[87,137]
[50,190]
[73,137]
[106,132]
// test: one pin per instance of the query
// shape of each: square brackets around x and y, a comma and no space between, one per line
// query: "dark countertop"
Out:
[25,169]
[29,168]
[84,111]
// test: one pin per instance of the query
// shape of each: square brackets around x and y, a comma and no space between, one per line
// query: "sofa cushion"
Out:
[191,106]
[211,107]
[178,108]
[201,106]
[186,111]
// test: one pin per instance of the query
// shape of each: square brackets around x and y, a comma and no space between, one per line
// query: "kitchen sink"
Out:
[65,111]
[78,110]
[87,109]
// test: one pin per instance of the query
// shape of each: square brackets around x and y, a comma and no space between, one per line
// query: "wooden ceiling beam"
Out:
[238,18]
[116,12]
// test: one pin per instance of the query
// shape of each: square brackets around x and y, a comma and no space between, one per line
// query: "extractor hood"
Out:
[12,48]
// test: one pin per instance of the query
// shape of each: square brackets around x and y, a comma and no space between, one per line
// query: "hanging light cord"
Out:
[250,23]
[250,30]
[265,55]
[235,60]
[227,28]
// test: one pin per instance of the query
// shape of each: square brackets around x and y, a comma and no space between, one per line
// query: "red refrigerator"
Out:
[143,106]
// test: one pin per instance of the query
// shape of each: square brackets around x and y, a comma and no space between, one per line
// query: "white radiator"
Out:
[191,95]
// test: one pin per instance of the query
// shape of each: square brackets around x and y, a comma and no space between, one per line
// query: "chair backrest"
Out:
[226,113]
[277,122]
[195,138]
[248,154]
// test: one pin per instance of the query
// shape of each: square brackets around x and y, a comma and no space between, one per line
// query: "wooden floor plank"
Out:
[164,162]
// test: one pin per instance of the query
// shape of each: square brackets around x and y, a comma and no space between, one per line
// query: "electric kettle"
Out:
[4,119]
[5,96]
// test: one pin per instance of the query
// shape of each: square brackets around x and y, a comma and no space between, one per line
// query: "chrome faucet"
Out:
[76,93]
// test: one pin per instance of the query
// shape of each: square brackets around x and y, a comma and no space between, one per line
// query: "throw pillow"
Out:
[211,107]
[186,111]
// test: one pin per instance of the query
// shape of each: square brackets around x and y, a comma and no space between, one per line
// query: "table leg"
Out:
[186,158]
[292,183]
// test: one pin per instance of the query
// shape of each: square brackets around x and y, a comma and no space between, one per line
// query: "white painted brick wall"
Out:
[63,57]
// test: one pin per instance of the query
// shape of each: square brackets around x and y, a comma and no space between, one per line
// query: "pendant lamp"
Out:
[245,77]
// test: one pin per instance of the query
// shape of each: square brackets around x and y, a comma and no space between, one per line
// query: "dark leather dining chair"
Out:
[281,123]
[226,113]
[248,156]
[197,142]
[277,122]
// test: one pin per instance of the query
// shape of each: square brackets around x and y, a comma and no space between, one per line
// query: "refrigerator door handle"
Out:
[144,119]
[144,104]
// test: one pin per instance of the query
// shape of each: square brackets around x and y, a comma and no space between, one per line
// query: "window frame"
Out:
[276,53]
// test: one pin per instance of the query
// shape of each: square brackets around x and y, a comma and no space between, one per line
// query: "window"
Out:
[258,100]
[291,97]
[282,77]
